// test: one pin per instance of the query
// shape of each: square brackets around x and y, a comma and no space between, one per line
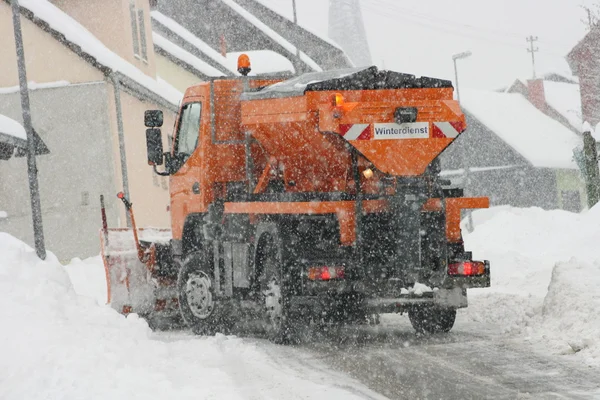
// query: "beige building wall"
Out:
[47,60]
[149,192]
[118,34]
[177,76]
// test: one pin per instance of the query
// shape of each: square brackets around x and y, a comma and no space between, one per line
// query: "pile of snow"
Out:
[56,344]
[545,274]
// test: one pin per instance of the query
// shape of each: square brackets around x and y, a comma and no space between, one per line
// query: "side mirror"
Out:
[153,118]
[154,146]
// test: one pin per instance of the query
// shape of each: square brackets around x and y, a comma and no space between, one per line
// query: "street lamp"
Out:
[455,57]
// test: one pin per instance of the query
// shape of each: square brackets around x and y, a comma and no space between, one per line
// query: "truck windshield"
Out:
[189,129]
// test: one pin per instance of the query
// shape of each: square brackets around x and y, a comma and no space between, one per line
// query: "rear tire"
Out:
[199,304]
[429,320]
[274,292]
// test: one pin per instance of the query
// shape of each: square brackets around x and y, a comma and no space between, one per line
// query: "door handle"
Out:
[196,188]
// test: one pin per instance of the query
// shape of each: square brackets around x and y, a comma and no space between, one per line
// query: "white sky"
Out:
[420,37]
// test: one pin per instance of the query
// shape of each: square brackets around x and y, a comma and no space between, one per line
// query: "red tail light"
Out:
[325,273]
[467,268]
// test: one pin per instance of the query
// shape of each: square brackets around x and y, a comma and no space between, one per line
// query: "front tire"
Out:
[199,304]
[430,320]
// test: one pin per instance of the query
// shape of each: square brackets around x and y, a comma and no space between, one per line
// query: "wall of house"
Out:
[521,185]
[518,187]
[118,34]
[478,147]
[570,190]
[47,60]
[148,192]
[174,74]
[73,122]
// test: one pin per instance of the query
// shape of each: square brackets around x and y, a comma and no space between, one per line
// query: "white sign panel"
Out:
[409,130]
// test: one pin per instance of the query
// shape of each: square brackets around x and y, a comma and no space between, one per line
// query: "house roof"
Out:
[13,133]
[293,50]
[178,31]
[79,39]
[184,56]
[263,61]
[10,127]
[587,47]
[289,17]
[542,141]
[565,98]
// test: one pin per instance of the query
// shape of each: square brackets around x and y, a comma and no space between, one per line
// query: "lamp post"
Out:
[455,57]
[296,23]
[34,189]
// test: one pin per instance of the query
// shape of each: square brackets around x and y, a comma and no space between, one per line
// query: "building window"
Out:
[142,26]
[134,28]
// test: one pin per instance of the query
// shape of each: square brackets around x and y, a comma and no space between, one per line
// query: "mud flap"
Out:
[451,298]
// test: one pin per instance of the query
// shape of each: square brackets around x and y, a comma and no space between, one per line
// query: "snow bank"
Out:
[58,345]
[572,306]
[545,274]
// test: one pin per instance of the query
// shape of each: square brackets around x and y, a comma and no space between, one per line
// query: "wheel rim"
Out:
[199,295]
[273,304]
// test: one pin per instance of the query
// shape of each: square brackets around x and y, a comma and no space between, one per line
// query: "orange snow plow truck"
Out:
[316,198]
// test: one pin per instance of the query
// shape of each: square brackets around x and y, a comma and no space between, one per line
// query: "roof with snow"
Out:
[173,39]
[196,46]
[10,127]
[565,98]
[169,48]
[542,141]
[234,26]
[293,50]
[13,133]
[264,62]
[71,33]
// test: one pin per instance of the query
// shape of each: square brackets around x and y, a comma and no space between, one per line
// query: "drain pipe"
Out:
[121,134]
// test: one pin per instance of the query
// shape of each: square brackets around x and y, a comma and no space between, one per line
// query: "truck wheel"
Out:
[199,305]
[428,320]
[272,287]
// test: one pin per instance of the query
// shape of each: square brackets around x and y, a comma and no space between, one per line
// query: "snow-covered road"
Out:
[534,334]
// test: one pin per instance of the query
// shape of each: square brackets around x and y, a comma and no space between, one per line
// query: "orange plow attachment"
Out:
[132,286]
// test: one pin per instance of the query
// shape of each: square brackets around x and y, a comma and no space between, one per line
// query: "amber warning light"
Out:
[244,66]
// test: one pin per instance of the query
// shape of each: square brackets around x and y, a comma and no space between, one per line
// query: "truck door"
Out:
[186,154]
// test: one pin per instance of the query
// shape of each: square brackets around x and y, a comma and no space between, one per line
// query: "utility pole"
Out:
[296,23]
[532,49]
[34,190]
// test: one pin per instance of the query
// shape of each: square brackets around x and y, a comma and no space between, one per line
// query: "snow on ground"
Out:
[545,277]
[56,344]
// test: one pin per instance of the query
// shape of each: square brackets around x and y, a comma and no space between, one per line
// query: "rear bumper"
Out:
[390,296]
[443,298]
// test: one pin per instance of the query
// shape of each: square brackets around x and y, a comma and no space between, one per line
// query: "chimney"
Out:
[536,94]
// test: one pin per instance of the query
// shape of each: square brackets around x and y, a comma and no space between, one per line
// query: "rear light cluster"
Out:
[467,268]
[325,273]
